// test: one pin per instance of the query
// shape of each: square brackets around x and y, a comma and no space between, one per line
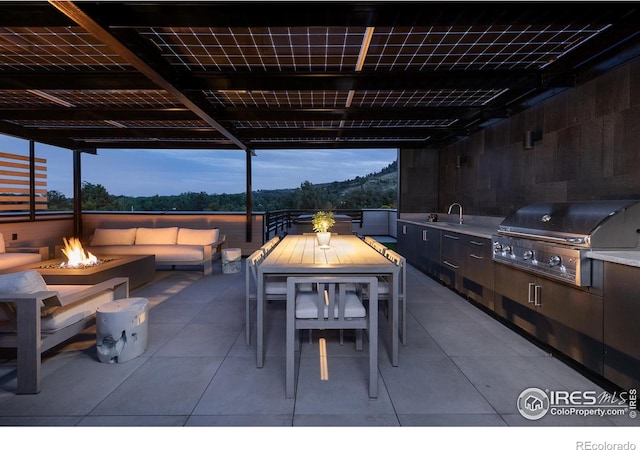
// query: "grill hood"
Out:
[597,224]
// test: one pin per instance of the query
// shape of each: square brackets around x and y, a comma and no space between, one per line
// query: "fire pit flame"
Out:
[76,255]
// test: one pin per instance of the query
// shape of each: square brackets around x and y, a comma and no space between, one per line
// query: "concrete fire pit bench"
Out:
[171,246]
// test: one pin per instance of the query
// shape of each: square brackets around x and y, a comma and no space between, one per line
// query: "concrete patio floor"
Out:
[460,367]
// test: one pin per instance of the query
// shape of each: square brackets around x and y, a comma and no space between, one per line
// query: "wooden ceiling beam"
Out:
[94,28]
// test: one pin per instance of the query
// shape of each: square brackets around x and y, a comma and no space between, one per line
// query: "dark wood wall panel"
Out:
[418,189]
[590,149]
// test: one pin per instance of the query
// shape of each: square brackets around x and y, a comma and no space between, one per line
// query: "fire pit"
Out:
[82,267]
[139,269]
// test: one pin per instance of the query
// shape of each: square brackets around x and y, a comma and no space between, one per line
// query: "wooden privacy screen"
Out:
[15,183]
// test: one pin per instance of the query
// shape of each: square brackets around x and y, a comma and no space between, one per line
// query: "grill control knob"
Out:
[528,254]
[506,249]
[554,261]
[497,247]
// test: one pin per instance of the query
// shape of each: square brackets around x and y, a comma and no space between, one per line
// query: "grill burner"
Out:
[553,238]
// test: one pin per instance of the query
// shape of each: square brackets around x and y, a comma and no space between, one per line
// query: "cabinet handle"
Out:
[424,235]
[448,236]
[476,243]
[404,229]
[531,296]
[453,266]
[476,256]
[538,296]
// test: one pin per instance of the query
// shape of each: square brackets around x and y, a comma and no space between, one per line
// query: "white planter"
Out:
[323,239]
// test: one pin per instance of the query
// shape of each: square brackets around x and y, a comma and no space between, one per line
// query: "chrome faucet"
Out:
[459,206]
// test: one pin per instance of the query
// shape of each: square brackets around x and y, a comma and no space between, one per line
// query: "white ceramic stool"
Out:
[231,260]
[122,329]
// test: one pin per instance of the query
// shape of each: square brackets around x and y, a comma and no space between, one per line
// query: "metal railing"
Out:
[279,222]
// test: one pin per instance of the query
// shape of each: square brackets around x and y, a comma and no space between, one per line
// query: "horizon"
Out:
[175,172]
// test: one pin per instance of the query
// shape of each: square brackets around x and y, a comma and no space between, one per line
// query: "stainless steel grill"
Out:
[553,238]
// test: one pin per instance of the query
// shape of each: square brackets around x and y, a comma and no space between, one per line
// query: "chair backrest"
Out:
[333,303]
[270,244]
[400,261]
[376,245]
[251,275]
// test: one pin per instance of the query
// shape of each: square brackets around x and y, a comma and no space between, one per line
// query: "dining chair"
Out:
[384,291]
[275,288]
[400,261]
[331,305]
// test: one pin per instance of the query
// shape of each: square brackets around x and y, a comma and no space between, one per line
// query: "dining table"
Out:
[301,255]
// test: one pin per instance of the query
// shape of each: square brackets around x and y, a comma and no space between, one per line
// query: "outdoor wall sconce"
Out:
[530,138]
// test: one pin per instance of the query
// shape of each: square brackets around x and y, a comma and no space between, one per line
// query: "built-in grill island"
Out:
[551,283]
[553,239]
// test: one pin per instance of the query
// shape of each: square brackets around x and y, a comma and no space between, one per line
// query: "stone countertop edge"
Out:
[625,257]
[479,226]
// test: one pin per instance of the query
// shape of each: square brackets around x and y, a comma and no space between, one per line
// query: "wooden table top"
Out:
[346,254]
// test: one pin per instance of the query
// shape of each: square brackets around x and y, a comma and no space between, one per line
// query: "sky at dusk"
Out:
[171,172]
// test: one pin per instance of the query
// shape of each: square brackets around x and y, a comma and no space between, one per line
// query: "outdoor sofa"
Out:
[11,257]
[171,246]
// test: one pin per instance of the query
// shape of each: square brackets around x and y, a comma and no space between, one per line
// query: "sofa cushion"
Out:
[103,236]
[63,316]
[189,236]
[2,247]
[155,236]
[186,253]
[11,260]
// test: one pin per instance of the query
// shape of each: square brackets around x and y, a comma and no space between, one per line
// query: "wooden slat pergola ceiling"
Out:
[251,76]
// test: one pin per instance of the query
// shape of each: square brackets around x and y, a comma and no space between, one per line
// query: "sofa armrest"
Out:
[119,285]
[40,299]
[219,243]
[43,250]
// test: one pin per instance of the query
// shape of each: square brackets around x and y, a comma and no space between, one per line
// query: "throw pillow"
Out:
[157,236]
[189,236]
[104,236]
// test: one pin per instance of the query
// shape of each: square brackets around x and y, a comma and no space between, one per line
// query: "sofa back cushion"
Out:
[2,247]
[189,236]
[26,282]
[103,236]
[157,236]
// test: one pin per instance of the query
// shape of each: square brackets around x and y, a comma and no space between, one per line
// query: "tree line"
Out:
[376,190]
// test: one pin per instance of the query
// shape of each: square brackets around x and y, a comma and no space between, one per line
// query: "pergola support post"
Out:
[77,194]
[249,153]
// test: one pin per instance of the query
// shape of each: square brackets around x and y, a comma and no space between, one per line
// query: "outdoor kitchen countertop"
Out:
[478,226]
[626,257]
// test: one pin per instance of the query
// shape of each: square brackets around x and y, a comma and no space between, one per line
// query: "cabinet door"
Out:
[571,321]
[564,317]
[621,318]
[514,297]
[429,248]
[451,262]
[478,278]
[406,237]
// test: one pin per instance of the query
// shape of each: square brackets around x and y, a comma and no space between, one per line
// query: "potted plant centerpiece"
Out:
[322,222]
